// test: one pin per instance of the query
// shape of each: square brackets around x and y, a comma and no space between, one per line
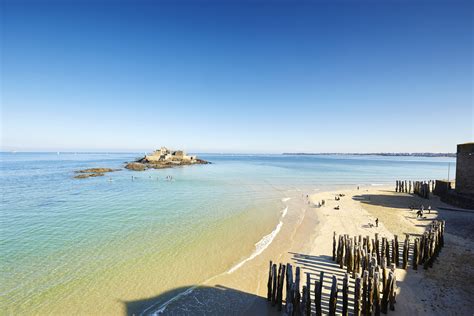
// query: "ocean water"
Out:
[92,246]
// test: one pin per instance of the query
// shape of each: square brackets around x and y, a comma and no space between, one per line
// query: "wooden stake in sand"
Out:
[386,293]
[376,294]
[289,285]
[365,292]
[318,289]
[392,294]
[303,300]
[357,295]
[274,281]
[333,297]
[397,257]
[308,295]
[415,254]
[345,294]
[296,300]
[334,246]
[280,287]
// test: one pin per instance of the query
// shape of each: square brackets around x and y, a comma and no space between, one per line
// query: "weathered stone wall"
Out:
[442,187]
[465,169]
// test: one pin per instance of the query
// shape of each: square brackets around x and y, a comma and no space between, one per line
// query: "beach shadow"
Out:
[202,300]
[401,201]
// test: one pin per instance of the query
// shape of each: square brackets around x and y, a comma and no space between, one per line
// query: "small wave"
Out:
[162,308]
[285,199]
[262,244]
[376,184]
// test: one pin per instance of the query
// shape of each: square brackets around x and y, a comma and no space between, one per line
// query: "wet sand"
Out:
[305,239]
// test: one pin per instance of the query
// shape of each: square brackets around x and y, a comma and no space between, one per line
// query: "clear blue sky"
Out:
[249,76]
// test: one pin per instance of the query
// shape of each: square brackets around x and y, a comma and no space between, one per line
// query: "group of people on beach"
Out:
[420,211]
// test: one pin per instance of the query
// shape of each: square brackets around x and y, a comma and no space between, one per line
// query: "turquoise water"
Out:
[88,245]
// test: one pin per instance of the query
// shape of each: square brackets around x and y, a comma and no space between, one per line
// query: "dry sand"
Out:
[305,240]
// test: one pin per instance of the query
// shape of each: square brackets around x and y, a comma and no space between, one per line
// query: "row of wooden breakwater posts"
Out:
[420,188]
[370,262]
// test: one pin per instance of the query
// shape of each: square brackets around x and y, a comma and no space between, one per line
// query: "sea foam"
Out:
[261,245]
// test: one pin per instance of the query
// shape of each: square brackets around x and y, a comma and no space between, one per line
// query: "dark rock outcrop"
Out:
[93,172]
[136,166]
[97,170]
[88,175]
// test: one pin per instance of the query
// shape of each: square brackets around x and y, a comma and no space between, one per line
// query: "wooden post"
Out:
[318,291]
[297,279]
[345,294]
[427,258]
[415,255]
[406,246]
[341,252]
[383,248]
[280,287]
[333,297]
[334,246]
[274,286]
[386,292]
[289,303]
[289,284]
[350,259]
[269,283]
[392,294]
[377,250]
[370,295]
[376,294]
[384,272]
[397,257]
[357,295]
[308,294]
[303,300]
[296,300]
[365,292]
[387,251]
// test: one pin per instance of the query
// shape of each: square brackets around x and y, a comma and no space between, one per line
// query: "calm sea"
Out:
[88,246]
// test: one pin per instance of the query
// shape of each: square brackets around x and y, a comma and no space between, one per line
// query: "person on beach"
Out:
[429,209]
[377,222]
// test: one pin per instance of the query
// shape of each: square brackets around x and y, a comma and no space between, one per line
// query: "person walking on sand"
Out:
[429,209]
[377,222]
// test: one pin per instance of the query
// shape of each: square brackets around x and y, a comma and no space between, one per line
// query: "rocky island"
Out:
[164,158]
[93,172]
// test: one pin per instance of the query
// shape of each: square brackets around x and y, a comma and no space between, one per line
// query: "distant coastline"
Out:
[377,154]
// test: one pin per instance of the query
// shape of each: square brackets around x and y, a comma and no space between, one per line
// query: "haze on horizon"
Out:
[240,77]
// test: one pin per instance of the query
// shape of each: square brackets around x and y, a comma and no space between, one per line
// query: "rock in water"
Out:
[137,166]
[88,175]
[97,170]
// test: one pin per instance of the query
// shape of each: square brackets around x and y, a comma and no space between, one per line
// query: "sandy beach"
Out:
[305,239]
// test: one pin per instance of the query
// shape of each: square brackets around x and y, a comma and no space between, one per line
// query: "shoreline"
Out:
[306,232]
